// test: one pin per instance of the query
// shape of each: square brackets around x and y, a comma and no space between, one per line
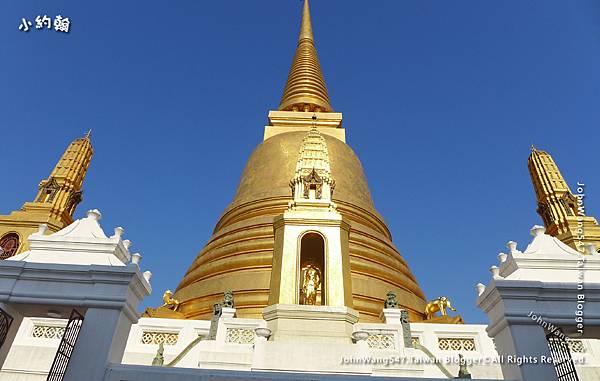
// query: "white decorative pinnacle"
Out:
[94,214]
[537,230]
[136,258]
[313,155]
[512,247]
[312,178]
[502,257]
[147,275]
[480,288]
[495,270]
[118,232]
[42,228]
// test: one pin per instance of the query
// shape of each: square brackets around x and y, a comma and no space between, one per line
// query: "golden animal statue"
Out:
[440,304]
[169,302]
[311,282]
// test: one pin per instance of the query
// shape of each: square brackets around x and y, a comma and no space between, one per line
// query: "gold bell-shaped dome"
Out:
[239,255]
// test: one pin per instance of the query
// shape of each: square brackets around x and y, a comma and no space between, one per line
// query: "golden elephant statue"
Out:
[440,304]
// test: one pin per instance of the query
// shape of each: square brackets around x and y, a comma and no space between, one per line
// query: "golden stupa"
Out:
[239,255]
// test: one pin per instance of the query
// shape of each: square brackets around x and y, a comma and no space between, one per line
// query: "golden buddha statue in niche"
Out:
[311,284]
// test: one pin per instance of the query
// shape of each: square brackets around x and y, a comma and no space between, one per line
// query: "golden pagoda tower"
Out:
[55,203]
[562,211]
[288,184]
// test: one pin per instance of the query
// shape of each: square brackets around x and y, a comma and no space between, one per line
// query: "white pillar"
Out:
[525,342]
[101,341]
[12,331]
[227,313]
[391,315]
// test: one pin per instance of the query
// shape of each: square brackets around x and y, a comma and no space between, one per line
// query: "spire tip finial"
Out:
[306,26]
[305,89]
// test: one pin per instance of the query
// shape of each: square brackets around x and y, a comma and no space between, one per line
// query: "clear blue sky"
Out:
[441,101]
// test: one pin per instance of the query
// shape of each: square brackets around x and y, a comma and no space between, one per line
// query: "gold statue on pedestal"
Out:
[168,310]
[311,283]
[440,304]
[169,302]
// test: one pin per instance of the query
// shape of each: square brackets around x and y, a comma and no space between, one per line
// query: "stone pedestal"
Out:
[391,315]
[227,313]
[310,324]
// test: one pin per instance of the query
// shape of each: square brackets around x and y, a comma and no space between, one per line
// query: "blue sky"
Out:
[441,102]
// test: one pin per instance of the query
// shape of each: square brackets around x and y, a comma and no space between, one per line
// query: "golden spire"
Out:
[306,25]
[55,203]
[562,211]
[60,193]
[305,89]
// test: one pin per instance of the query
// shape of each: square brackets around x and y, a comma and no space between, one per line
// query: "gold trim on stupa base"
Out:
[329,123]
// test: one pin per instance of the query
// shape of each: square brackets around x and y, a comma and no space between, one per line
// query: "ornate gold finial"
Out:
[305,89]
[306,26]
[89,134]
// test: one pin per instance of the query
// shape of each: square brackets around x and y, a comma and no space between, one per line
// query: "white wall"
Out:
[31,357]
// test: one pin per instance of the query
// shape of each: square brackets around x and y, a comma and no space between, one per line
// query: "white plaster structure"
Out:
[81,267]
[78,267]
[548,286]
[238,347]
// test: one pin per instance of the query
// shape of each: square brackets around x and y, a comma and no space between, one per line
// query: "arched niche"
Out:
[312,270]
